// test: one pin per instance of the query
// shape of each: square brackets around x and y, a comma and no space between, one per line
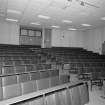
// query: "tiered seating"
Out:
[23,71]
[10,87]
[81,62]
[65,96]
[78,60]
[30,76]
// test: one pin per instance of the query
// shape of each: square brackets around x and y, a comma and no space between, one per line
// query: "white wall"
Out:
[65,38]
[9,33]
[94,39]
[91,39]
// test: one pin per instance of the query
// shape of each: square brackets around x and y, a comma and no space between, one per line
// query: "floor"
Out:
[96,96]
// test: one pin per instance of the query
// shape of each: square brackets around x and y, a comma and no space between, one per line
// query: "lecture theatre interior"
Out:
[52,52]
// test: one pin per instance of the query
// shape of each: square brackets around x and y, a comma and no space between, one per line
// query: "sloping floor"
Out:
[96,96]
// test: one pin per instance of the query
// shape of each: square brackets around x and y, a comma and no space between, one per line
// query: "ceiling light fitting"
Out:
[35,23]
[67,21]
[103,18]
[87,25]
[43,17]
[55,26]
[12,20]
[72,29]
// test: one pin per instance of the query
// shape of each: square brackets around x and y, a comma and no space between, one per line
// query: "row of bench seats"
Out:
[26,71]
[15,85]
[23,71]
[8,70]
[83,67]
[77,95]
[78,60]
[24,58]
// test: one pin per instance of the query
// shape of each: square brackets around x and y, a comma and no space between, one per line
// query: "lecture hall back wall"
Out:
[90,39]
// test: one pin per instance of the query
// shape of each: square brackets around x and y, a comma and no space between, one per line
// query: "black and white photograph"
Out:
[52,52]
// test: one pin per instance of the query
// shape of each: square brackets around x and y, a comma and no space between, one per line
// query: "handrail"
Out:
[39,93]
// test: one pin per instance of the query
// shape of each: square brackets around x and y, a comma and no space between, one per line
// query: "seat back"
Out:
[16,57]
[29,68]
[53,73]
[20,69]
[0,70]
[6,70]
[26,61]
[7,58]
[18,62]
[8,63]
[42,83]
[1,91]
[44,74]
[35,75]
[64,79]
[27,86]
[94,76]
[10,87]
[54,81]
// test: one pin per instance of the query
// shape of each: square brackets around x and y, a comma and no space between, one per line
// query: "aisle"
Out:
[95,97]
